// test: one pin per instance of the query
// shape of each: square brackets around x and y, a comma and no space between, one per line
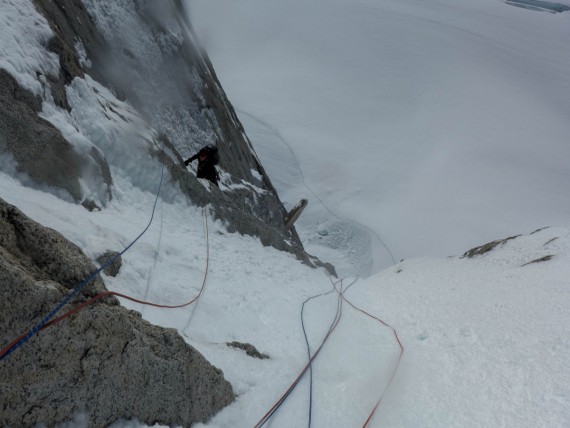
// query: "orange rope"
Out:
[396,366]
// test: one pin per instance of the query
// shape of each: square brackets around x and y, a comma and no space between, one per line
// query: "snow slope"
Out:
[485,338]
[437,124]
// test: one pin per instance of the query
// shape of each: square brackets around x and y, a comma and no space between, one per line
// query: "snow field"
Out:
[485,338]
[434,123]
[353,248]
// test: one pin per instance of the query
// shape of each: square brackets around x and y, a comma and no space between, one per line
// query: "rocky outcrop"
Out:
[112,261]
[105,360]
[36,145]
[249,349]
[540,260]
[478,251]
[171,91]
[235,216]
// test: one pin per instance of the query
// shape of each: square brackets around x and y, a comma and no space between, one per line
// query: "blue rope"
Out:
[294,385]
[309,366]
[79,287]
[309,354]
[309,347]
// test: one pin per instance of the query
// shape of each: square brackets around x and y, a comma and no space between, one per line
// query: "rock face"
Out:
[115,266]
[170,81]
[105,360]
[35,144]
[478,251]
[249,349]
[146,53]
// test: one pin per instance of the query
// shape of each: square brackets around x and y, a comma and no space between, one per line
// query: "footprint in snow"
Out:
[422,336]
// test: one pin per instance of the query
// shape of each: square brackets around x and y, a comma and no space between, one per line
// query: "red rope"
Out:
[115,293]
[396,366]
[295,382]
[265,417]
[142,302]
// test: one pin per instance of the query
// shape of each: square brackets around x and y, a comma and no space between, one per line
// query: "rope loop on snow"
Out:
[341,298]
[309,347]
[143,302]
[289,390]
[396,366]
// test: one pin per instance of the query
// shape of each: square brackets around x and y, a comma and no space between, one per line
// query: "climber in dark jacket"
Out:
[207,157]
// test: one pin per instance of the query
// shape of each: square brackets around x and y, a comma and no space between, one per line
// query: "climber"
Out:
[207,157]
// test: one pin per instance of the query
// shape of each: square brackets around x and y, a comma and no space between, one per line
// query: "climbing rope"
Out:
[309,347]
[341,298]
[193,311]
[20,341]
[289,390]
[396,366]
[124,296]
[309,351]
[157,252]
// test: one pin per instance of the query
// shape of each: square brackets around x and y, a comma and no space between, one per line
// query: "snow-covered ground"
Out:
[486,339]
[415,128]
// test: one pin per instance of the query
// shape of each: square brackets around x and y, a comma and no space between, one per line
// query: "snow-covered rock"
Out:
[86,364]
[125,84]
